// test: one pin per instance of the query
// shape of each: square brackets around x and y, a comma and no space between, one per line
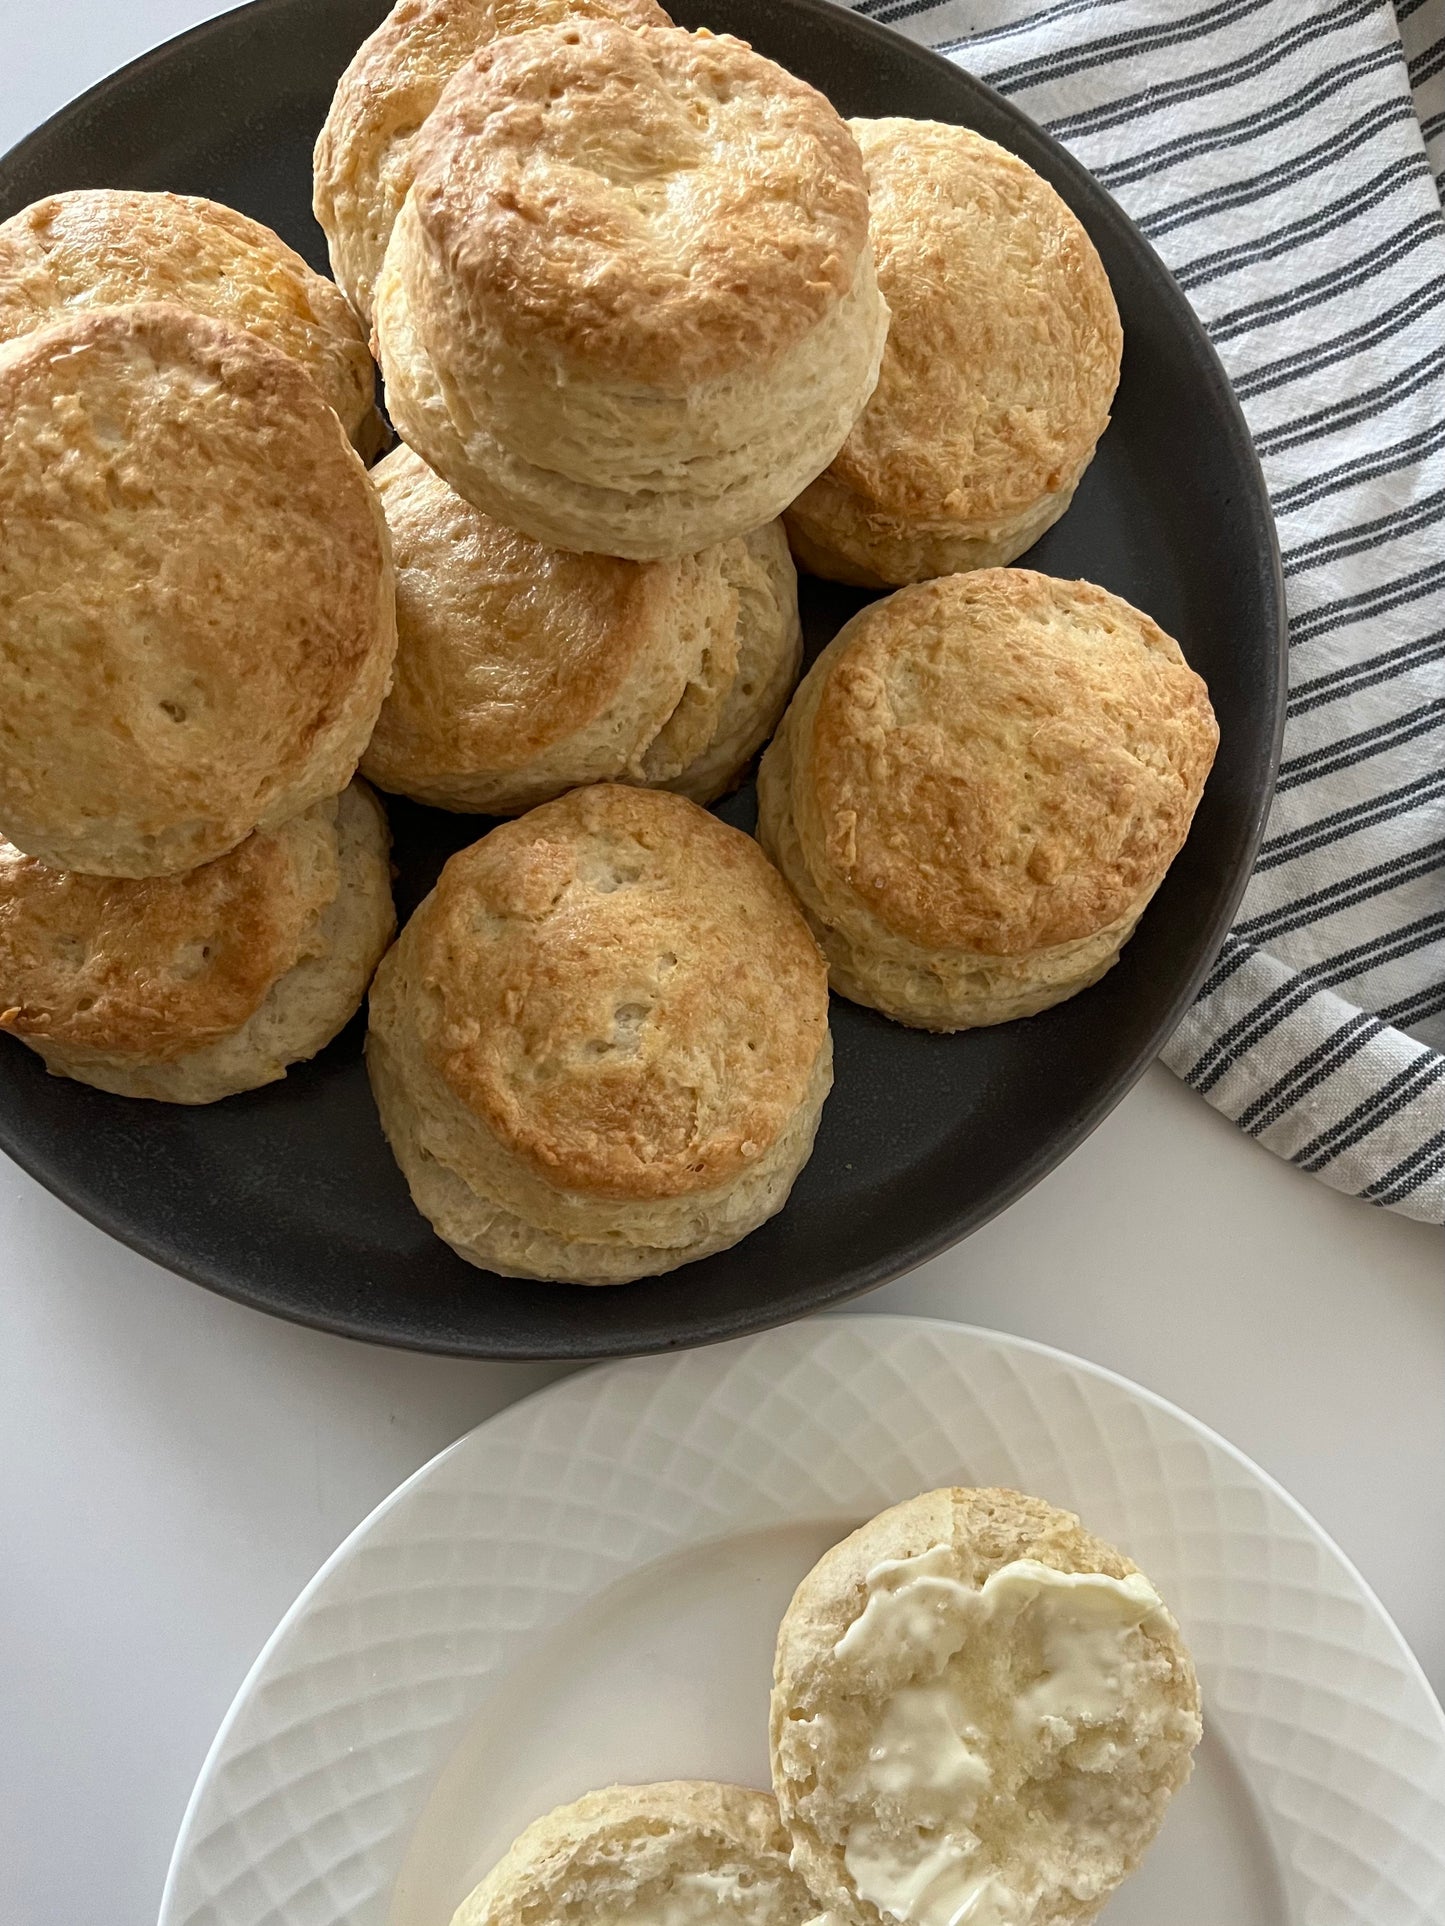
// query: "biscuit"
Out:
[197,617]
[688,1853]
[980,1711]
[600,1047]
[977,788]
[523,671]
[1001,364]
[108,247]
[629,303]
[189,988]
[363,164]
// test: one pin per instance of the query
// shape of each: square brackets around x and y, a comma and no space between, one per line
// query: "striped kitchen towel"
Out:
[1274,154]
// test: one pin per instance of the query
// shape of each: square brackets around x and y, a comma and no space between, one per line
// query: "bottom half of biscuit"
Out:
[499,1213]
[942,990]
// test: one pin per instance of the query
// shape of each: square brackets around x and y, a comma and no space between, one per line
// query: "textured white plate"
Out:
[586,1589]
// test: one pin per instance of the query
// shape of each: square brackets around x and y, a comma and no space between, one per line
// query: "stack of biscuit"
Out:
[649,315]
[197,626]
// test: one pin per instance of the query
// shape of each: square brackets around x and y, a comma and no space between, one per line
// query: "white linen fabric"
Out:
[1274,153]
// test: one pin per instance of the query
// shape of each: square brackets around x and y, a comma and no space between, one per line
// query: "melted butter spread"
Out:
[927,1762]
[702,1899]
[919,1749]
[941,1883]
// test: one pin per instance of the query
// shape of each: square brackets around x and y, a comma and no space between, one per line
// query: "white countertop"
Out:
[173,1468]
[176,1467]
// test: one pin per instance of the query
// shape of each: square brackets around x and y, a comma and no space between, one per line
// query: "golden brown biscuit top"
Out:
[192,570]
[104,247]
[1003,353]
[397,75]
[650,205]
[1002,761]
[505,645]
[625,991]
[158,967]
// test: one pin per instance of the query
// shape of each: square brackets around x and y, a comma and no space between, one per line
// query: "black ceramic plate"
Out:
[288,1198]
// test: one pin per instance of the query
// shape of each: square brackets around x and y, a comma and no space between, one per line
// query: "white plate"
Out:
[586,1589]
